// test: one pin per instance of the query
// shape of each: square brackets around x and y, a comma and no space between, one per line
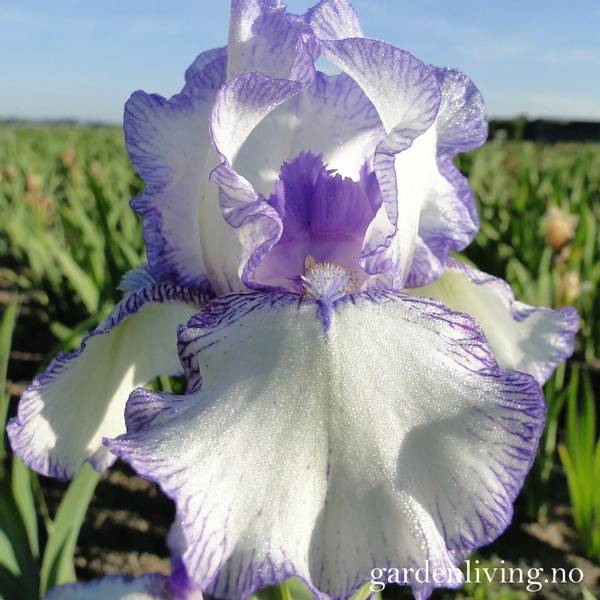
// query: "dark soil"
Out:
[125,527]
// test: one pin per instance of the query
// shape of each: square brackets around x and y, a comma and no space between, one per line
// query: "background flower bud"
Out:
[33,183]
[570,287]
[559,228]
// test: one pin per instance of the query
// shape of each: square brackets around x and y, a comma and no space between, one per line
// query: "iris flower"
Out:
[146,587]
[356,398]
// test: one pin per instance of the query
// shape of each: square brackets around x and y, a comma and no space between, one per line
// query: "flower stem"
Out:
[284,591]
[364,593]
[277,592]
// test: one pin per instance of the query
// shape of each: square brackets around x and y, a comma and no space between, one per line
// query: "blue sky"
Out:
[82,59]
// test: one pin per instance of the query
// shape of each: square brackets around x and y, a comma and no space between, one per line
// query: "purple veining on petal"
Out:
[22,436]
[406,95]
[462,122]
[264,38]
[180,586]
[260,30]
[332,117]
[221,313]
[197,72]
[167,141]
[323,215]
[519,411]
[240,105]
[567,323]
[334,20]
[450,222]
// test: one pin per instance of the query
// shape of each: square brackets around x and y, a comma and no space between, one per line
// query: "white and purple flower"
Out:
[149,586]
[356,398]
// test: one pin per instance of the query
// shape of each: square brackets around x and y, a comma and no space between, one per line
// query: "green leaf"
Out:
[7,327]
[10,585]
[57,563]
[291,589]
[82,283]
[294,589]
[23,495]
[16,553]
[587,595]
[364,593]
[298,589]
[8,560]
[113,256]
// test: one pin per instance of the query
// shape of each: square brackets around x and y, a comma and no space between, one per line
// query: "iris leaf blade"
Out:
[24,499]
[7,326]
[57,562]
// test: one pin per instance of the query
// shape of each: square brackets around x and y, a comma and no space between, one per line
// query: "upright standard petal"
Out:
[80,398]
[264,38]
[168,142]
[406,94]
[234,249]
[416,173]
[334,20]
[332,118]
[375,431]
[524,338]
[197,71]
[449,219]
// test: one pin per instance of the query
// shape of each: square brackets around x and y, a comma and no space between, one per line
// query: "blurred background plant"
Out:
[67,236]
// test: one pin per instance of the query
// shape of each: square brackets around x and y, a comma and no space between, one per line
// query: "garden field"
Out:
[67,236]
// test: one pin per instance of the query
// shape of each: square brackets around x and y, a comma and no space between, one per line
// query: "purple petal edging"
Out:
[369,61]
[521,394]
[461,126]
[203,78]
[197,72]
[154,583]
[30,403]
[334,20]
[258,95]
[520,312]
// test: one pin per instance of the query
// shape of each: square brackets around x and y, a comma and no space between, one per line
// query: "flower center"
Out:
[324,215]
[326,281]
